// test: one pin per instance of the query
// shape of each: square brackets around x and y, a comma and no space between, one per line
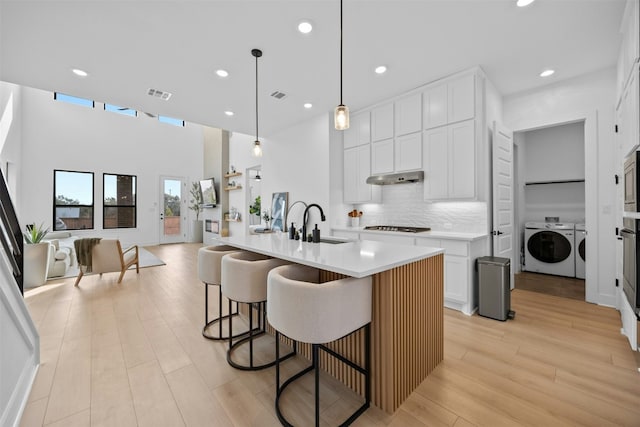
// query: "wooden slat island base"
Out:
[407,335]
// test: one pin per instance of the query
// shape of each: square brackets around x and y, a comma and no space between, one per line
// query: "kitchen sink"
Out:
[333,241]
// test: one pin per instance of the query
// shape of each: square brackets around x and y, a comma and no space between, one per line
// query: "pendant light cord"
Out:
[257,98]
[340,52]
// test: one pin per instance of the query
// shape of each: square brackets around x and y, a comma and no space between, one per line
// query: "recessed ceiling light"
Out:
[79,72]
[547,73]
[305,27]
[222,73]
[229,113]
[308,105]
[381,69]
[523,3]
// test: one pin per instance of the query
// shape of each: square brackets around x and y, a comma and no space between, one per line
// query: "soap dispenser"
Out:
[316,234]
[292,231]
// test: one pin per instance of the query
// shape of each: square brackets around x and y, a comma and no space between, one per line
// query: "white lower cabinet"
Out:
[460,276]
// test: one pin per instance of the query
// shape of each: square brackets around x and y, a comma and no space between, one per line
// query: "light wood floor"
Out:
[131,354]
[568,287]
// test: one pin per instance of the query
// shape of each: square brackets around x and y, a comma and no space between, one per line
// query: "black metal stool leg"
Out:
[316,367]
[218,319]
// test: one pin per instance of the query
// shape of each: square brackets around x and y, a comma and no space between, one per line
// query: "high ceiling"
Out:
[130,46]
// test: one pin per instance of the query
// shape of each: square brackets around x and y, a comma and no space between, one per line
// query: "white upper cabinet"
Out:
[382,156]
[449,102]
[357,169]
[382,122]
[461,99]
[408,152]
[462,160]
[434,106]
[630,47]
[408,115]
[449,162]
[359,132]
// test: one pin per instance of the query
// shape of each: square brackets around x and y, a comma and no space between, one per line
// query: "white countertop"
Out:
[425,234]
[354,258]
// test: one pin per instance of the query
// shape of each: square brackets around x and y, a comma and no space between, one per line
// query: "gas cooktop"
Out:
[397,228]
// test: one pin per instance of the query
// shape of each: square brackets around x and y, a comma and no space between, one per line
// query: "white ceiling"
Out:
[175,46]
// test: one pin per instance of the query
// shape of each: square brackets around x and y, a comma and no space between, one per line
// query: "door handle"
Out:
[497,232]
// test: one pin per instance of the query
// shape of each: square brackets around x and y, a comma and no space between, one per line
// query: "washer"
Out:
[549,248]
[581,250]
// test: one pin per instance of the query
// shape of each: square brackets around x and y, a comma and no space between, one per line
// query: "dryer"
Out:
[580,248]
[549,248]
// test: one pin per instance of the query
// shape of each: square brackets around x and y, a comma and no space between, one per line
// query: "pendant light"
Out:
[258,177]
[257,149]
[341,116]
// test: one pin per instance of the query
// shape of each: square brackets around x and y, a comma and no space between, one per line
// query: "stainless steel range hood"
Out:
[396,178]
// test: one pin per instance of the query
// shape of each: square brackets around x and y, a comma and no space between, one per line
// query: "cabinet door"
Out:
[461,99]
[456,278]
[382,156]
[382,122]
[462,160]
[408,152]
[434,106]
[350,176]
[364,170]
[408,115]
[359,131]
[435,163]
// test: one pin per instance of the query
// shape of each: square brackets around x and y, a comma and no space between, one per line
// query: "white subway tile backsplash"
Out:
[404,205]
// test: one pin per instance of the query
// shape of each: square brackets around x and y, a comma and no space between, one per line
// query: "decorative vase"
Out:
[36,264]
[196,231]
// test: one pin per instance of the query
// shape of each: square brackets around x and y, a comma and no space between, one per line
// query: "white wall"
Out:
[11,135]
[553,154]
[592,96]
[58,135]
[295,160]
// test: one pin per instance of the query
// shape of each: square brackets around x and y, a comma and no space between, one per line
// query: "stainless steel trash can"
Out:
[494,287]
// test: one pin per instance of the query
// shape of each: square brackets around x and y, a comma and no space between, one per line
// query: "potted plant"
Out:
[36,256]
[196,206]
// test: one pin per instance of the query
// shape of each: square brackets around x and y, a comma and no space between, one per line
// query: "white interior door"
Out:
[173,209]
[503,204]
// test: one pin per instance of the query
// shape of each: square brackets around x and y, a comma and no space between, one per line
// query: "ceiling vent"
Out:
[159,94]
[279,95]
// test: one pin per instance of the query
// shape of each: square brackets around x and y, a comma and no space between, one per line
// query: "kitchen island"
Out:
[407,336]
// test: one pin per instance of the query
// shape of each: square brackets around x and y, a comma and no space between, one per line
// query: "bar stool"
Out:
[209,272]
[305,310]
[244,280]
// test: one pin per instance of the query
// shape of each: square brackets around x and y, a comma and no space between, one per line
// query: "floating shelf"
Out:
[235,187]
[565,181]
[231,175]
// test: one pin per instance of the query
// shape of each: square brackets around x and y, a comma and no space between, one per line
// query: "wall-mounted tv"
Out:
[208,191]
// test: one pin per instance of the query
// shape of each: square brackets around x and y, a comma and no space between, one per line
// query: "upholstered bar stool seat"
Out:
[244,280]
[209,272]
[304,310]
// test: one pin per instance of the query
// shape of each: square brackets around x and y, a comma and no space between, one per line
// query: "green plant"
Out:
[255,208]
[267,217]
[35,234]
[196,201]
